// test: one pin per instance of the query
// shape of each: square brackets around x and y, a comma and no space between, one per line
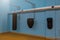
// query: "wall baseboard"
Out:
[35,36]
[29,35]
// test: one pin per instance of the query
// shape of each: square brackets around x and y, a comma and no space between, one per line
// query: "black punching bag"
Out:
[30,22]
[14,26]
[50,23]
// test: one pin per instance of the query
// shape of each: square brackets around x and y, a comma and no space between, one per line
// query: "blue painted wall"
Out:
[4,9]
[40,26]
[58,23]
[25,5]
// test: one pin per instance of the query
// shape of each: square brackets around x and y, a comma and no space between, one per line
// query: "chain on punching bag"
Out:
[30,21]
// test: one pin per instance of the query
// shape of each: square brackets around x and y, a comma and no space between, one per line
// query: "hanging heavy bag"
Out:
[30,22]
[50,23]
[14,19]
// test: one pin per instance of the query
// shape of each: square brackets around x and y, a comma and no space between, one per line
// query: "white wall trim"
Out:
[37,9]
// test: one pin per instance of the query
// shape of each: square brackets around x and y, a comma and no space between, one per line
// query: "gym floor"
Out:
[15,36]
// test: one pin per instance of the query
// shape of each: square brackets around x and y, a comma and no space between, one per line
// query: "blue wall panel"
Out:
[58,23]
[40,23]
[4,9]
[25,5]
[50,2]
[50,32]
[57,2]
[9,23]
